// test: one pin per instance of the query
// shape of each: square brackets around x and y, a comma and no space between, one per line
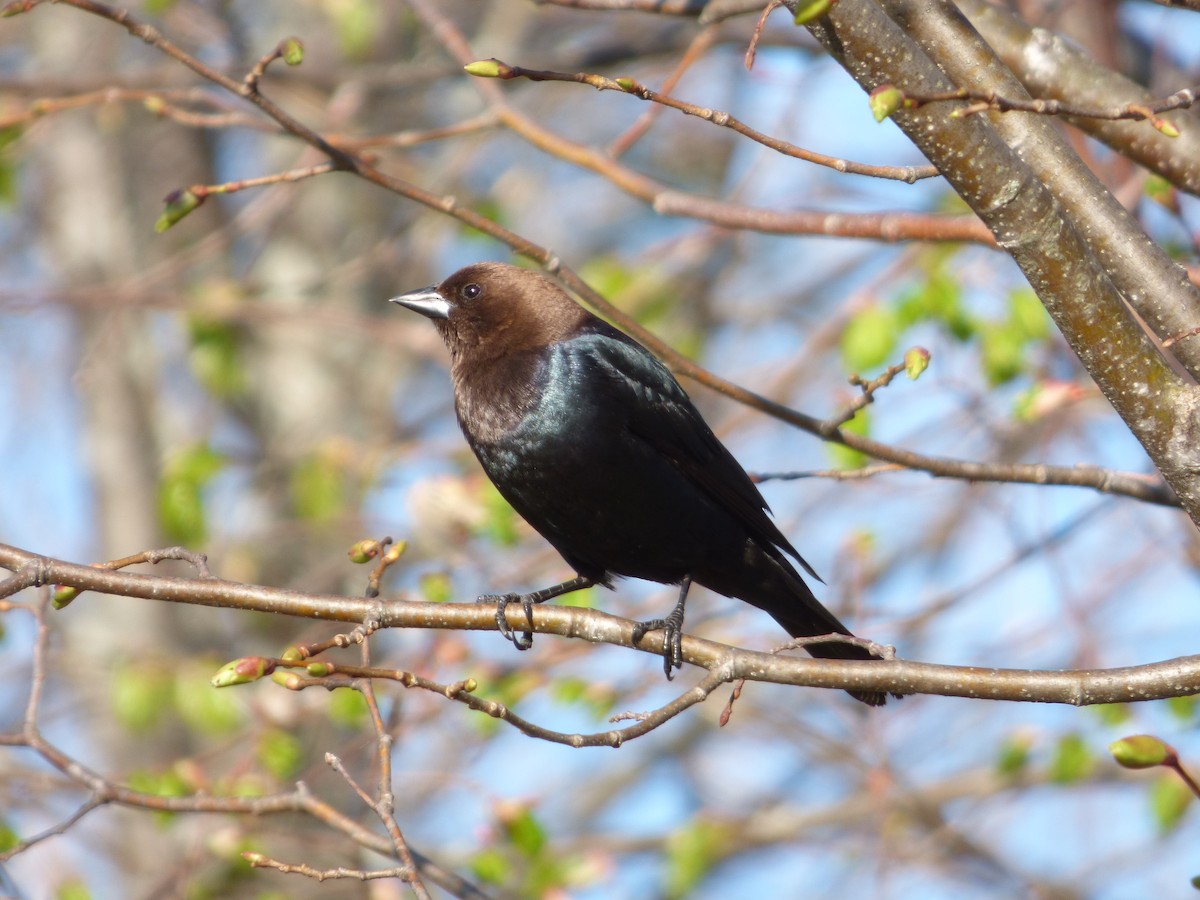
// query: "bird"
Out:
[593,442]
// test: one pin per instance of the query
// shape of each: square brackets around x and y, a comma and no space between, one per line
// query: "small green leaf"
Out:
[585,599]
[207,711]
[692,851]
[492,866]
[436,587]
[1161,192]
[358,25]
[808,10]
[500,519]
[1072,760]
[1112,713]
[348,709]
[318,485]
[8,182]
[847,457]
[524,831]
[280,753]
[1027,316]
[141,692]
[595,698]
[1183,707]
[74,889]
[215,356]
[1169,800]
[869,338]
[1014,755]
[1002,354]
[8,837]
[180,493]
[161,784]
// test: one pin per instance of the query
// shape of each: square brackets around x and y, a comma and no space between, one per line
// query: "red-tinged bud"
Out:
[916,361]
[251,857]
[364,551]
[1141,751]
[1164,126]
[17,7]
[292,51]
[63,595]
[179,204]
[242,671]
[488,68]
[886,100]
[807,10]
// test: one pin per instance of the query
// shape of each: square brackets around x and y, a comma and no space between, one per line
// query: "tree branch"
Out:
[1158,405]
[1171,678]
[1147,279]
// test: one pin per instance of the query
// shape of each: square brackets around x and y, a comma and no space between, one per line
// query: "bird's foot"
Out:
[672,628]
[524,639]
[672,641]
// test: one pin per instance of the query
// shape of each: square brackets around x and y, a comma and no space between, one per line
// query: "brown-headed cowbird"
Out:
[595,444]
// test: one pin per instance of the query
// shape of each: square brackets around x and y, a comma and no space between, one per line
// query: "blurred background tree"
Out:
[236,384]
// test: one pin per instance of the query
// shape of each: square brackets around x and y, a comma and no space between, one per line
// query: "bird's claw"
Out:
[672,642]
[522,640]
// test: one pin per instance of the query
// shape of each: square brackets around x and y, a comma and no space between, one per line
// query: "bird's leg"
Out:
[672,627]
[525,640]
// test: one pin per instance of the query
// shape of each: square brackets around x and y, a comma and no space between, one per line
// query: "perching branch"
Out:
[1171,678]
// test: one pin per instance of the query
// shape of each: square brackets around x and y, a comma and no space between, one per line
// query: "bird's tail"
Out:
[774,586]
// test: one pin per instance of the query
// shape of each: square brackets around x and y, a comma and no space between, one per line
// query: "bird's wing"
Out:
[661,413]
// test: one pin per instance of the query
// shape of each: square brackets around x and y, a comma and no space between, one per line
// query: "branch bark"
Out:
[1059,259]
[1154,681]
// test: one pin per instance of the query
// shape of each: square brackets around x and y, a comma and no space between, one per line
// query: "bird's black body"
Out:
[595,444]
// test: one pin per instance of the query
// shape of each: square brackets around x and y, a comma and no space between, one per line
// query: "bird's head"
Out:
[491,310]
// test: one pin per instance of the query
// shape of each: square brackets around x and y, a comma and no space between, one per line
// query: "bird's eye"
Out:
[471,291]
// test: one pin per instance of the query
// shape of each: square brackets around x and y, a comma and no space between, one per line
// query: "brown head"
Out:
[488,311]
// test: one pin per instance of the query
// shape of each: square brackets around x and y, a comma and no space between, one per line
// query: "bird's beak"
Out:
[427,301]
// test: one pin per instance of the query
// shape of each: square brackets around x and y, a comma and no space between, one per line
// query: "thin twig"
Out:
[910,174]
[258,861]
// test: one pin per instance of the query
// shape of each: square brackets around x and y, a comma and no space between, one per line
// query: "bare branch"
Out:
[1172,678]
[634,88]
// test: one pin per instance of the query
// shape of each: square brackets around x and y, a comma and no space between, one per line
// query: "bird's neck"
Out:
[493,396]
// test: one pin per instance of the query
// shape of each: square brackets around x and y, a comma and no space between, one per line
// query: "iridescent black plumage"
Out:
[595,444]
